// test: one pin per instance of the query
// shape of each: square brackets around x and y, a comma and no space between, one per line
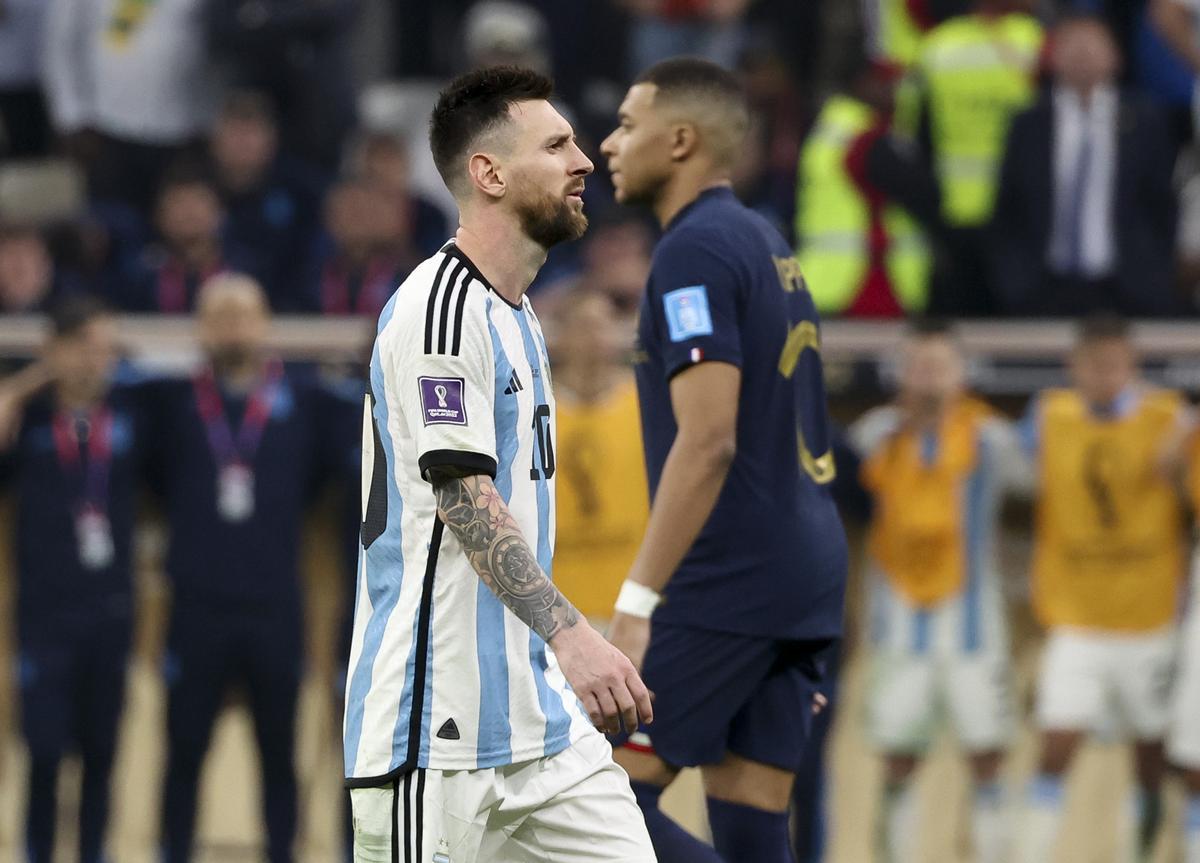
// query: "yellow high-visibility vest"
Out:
[833,219]
[899,33]
[973,74]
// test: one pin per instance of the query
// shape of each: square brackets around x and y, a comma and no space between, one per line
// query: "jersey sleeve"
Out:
[448,388]
[693,299]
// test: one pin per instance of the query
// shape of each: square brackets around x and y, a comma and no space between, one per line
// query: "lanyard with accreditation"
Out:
[83,443]
[234,453]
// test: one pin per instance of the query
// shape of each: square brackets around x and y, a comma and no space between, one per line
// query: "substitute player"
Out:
[937,463]
[463,738]
[744,543]
[1107,561]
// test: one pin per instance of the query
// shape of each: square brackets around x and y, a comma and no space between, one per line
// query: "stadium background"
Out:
[358,78]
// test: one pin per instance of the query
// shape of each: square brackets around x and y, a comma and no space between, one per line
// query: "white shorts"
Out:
[1183,743]
[573,806]
[911,694]
[1106,682]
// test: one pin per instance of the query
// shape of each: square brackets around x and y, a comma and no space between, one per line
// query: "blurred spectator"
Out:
[382,161]
[972,74]
[243,447]
[190,251]
[895,28]
[861,253]
[506,33]
[24,127]
[129,86]
[29,279]
[368,251]
[603,503]
[1085,215]
[297,51]
[712,29]
[76,466]
[1177,24]
[272,204]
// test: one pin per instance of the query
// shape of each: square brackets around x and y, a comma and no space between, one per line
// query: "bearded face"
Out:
[549,219]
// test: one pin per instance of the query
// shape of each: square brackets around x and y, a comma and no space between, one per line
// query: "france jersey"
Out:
[442,675]
[771,560]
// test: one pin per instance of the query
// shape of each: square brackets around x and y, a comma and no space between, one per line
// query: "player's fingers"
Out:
[627,705]
[608,707]
[593,709]
[642,697]
[820,702]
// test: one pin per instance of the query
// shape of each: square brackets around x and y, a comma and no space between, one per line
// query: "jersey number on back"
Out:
[801,337]
[545,444]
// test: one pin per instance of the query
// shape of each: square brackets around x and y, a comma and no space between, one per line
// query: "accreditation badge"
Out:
[94,536]
[235,492]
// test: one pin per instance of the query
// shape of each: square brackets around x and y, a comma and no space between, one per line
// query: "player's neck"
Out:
[508,259]
[78,397]
[683,189]
[588,382]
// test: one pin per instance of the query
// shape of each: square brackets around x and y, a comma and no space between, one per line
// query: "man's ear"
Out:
[487,175]
[684,141]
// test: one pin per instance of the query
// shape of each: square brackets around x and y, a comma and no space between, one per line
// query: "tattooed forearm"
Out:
[475,513]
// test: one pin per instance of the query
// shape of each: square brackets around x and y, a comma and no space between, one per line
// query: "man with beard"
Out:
[473,683]
[744,540]
[242,447]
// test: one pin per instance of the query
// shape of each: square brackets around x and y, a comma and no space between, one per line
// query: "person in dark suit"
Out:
[1085,217]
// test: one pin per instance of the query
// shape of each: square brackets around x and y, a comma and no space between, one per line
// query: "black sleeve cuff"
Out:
[461,463]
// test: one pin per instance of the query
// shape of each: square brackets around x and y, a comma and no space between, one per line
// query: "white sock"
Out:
[989,822]
[898,824]
[1038,833]
[1191,827]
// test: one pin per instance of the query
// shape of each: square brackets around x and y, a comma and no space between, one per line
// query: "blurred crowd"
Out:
[965,157]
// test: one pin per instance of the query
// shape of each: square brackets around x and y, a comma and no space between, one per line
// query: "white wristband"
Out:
[637,600]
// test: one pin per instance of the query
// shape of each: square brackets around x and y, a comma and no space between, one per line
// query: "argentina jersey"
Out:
[441,674]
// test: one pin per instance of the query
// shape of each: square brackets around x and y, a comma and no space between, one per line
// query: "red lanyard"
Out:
[92,462]
[173,285]
[377,283]
[228,448]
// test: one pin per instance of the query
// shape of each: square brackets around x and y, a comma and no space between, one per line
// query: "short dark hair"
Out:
[1102,327]
[74,312]
[693,74]
[476,103]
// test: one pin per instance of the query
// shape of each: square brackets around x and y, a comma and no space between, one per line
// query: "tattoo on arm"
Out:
[476,513]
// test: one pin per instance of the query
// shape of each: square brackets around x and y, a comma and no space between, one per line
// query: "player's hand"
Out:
[631,635]
[605,681]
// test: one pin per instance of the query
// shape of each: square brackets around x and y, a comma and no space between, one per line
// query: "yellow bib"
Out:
[916,534]
[603,503]
[1109,535]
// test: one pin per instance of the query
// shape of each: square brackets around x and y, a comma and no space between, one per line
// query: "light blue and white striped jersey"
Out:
[972,620]
[442,675]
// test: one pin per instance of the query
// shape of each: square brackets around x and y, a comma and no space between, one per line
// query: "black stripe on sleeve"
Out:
[458,316]
[420,814]
[462,463]
[429,309]
[408,858]
[444,322]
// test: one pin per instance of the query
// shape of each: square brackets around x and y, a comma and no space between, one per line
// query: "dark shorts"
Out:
[718,692]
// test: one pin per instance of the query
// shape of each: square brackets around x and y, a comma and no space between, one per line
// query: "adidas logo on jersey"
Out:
[514,384]
[449,730]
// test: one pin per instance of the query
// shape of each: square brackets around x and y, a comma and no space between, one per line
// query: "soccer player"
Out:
[1107,563]
[936,463]
[744,546]
[463,738]
[76,465]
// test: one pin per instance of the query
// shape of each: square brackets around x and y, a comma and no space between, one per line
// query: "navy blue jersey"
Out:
[54,579]
[771,560]
[250,561]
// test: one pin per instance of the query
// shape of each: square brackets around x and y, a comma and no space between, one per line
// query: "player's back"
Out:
[1105,515]
[442,674]
[772,557]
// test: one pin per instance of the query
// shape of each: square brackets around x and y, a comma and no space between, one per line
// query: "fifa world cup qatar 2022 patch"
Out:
[687,313]
[442,401]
